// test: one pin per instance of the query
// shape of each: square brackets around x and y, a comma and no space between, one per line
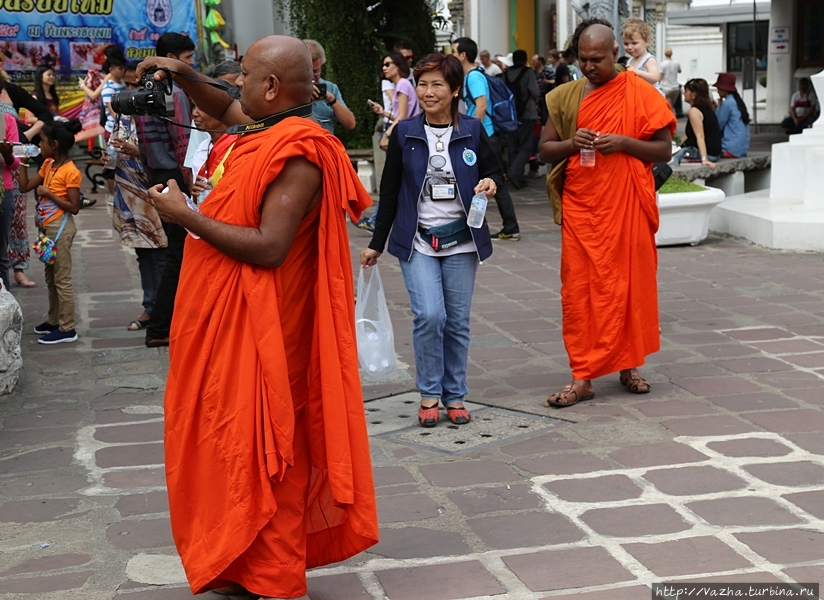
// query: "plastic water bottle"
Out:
[587,157]
[25,150]
[477,210]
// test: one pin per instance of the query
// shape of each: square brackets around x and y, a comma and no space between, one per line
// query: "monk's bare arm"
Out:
[285,203]
[656,149]
[213,101]
[551,149]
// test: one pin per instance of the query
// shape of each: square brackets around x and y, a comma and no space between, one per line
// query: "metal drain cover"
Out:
[488,427]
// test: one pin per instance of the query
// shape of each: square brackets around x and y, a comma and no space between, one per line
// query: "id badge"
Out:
[443,191]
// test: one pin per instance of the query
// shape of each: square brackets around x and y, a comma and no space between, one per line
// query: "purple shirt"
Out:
[404,87]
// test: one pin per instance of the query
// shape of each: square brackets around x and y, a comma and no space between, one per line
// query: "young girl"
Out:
[58,198]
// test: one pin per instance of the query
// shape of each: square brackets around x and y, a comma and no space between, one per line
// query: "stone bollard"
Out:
[11,330]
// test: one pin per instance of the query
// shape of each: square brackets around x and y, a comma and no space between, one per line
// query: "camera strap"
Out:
[304,111]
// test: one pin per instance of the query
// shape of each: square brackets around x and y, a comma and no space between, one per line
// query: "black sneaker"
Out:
[45,327]
[59,337]
[512,237]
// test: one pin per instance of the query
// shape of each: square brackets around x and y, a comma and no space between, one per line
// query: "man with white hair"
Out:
[490,68]
[328,108]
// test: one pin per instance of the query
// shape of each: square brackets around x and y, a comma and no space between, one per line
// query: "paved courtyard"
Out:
[717,475]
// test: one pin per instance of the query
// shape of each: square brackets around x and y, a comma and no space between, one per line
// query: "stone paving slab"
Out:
[716,475]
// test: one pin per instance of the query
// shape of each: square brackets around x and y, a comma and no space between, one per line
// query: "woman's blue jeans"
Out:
[440,291]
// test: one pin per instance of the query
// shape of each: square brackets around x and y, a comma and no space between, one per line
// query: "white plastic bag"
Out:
[376,340]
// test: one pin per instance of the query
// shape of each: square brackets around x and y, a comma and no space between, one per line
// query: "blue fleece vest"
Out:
[415,152]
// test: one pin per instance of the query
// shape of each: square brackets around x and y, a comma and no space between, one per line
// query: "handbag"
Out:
[446,236]
[661,171]
[45,247]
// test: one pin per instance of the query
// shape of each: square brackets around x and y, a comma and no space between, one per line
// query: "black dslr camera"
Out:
[154,99]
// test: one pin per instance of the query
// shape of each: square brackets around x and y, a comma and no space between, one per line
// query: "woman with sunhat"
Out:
[733,118]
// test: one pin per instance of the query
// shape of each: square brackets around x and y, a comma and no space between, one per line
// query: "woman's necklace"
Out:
[439,147]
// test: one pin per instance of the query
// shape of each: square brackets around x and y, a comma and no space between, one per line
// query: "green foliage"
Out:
[355,35]
[679,186]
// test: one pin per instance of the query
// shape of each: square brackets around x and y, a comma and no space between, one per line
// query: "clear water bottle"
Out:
[25,150]
[587,157]
[477,210]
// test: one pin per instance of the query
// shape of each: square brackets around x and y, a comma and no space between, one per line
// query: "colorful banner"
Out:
[71,34]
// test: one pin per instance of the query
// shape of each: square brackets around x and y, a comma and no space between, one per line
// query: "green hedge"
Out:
[355,35]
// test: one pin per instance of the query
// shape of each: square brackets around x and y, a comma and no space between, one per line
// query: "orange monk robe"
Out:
[609,261]
[267,455]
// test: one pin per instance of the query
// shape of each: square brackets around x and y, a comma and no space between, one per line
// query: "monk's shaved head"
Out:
[278,76]
[598,36]
[597,53]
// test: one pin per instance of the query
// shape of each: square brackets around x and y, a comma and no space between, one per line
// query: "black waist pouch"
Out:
[446,236]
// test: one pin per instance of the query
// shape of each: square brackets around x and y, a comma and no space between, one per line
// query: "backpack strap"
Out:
[467,93]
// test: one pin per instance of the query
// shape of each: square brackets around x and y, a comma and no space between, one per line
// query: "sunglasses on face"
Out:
[388,64]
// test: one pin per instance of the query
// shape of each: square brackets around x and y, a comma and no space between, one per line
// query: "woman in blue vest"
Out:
[435,163]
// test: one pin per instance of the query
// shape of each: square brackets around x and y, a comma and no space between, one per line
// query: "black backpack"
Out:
[515,87]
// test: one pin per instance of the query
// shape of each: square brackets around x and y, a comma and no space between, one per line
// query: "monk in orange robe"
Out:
[267,455]
[608,215]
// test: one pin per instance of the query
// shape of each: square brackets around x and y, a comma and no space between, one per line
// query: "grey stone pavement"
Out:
[717,475]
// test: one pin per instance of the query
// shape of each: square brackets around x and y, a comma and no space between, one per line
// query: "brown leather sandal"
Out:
[554,399]
[635,384]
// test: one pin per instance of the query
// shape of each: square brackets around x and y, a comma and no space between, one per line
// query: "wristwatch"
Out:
[332,103]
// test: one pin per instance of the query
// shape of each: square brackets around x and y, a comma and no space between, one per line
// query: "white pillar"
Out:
[780,81]
[563,27]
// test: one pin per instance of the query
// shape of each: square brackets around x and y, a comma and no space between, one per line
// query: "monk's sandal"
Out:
[554,399]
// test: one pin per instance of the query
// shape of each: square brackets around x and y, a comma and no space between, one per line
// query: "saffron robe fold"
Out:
[609,291]
[251,347]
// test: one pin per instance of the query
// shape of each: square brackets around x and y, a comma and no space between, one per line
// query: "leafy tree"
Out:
[356,34]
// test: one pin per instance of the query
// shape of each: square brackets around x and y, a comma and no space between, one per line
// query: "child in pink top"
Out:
[8,136]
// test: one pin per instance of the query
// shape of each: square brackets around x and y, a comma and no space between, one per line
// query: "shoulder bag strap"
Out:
[62,225]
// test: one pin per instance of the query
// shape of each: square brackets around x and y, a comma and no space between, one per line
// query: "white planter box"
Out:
[685,217]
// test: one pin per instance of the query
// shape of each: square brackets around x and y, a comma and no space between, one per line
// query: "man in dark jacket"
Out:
[524,85]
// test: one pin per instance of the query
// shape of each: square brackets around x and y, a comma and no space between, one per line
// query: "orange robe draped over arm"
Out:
[609,261]
[253,347]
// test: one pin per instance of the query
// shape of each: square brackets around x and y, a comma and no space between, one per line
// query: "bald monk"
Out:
[607,214]
[267,455]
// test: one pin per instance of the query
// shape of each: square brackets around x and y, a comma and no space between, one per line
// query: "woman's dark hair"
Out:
[132,65]
[112,53]
[39,91]
[745,115]
[63,133]
[701,89]
[450,67]
[400,62]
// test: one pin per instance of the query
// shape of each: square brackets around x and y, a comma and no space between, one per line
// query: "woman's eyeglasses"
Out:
[388,64]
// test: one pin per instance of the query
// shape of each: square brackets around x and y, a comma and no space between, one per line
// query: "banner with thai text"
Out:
[71,34]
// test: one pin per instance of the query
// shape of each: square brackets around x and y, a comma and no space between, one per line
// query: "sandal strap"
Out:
[567,390]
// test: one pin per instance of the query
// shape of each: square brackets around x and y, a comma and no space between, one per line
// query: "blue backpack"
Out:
[500,104]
